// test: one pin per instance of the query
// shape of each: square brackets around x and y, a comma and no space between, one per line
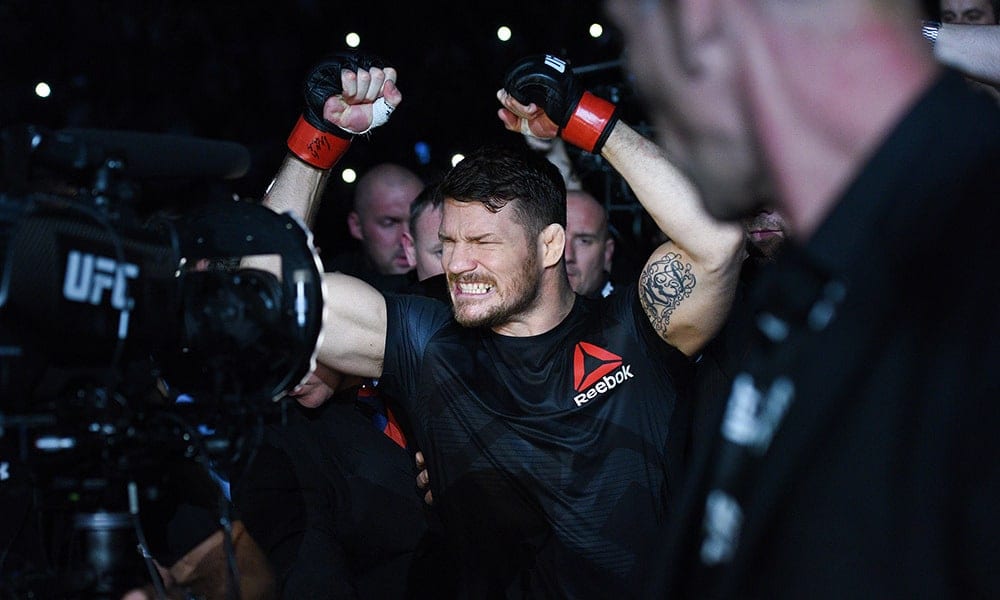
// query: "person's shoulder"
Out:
[435,287]
[417,317]
[622,297]
[623,306]
[397,283]
[408,302]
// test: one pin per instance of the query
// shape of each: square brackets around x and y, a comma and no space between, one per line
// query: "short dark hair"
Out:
[498,175]
[428,199]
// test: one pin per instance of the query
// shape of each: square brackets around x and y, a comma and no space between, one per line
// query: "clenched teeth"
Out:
[474,288]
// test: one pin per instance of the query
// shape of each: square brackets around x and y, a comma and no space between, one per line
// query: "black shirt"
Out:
[333,503]
[550,456]
[873,473]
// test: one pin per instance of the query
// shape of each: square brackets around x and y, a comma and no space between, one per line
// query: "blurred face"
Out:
[380,224]
[491,265]
[424,245]
[766,233]
[589,248]
[968,12]
[692,93]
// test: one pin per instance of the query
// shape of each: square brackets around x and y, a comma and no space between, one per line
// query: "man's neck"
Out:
[548,311]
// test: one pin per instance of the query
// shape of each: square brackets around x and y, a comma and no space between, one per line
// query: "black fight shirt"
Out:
[550,457]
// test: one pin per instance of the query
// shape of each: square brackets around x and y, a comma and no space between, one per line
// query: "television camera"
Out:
[128,341]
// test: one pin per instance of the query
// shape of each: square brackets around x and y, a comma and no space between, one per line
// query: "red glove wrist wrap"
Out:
[318,148]
[590,123]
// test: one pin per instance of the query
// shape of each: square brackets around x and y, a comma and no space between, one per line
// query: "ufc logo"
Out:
[556,63]
[89,276]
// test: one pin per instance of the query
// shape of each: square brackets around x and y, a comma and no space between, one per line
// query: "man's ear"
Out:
[409,249]
[553,241]
[609,253]
[354,225]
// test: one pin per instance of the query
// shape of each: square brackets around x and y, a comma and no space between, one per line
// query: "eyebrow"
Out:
[473,238]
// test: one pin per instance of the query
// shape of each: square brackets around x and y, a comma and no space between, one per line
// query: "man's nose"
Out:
[459,258]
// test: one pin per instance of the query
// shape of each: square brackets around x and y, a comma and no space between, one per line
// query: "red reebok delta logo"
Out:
[600,377]
[581,378]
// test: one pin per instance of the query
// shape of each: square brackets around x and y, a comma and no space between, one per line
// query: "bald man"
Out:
[378,220]
[855,453]
[590,247]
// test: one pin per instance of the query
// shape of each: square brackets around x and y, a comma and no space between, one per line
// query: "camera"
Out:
[130,343]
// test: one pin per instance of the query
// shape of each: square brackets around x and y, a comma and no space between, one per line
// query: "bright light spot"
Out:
[349,175]
[456,158]
[352,39]
[503,33]
[42,89]
[596,30]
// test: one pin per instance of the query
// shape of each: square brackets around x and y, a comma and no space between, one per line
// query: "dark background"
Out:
[232,71]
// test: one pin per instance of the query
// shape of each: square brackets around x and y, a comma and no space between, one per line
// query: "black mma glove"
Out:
[314,139]
[584,119]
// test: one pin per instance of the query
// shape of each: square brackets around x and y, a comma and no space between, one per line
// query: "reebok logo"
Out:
[594,372]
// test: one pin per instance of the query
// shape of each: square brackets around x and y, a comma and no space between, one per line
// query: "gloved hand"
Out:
[346,94]
[575,115]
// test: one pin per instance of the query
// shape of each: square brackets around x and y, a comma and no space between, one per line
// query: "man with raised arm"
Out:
[553,425]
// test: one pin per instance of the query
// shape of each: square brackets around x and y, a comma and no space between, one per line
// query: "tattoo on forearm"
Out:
[664,283]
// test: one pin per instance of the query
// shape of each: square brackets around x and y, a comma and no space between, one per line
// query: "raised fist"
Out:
[545,84]
[355,81]
[346,94]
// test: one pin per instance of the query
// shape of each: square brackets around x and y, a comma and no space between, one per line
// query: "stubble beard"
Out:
[522,293]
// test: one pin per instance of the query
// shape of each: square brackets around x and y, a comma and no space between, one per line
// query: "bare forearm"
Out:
[686,286]
[354,319]
[353,339]
[672,200]
[972,49]
[296,188]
